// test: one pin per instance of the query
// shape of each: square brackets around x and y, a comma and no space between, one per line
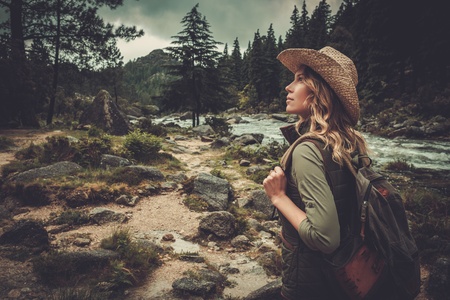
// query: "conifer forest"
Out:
[53,50]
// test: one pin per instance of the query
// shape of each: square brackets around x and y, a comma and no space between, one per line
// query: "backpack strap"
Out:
[353,165]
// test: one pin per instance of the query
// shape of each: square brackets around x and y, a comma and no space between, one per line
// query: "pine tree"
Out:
[257,69]
[319,26]
[196,51]
[236,66]
[272,66]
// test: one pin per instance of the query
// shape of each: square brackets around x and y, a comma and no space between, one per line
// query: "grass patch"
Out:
[195,203]
[136,259]
[6,143]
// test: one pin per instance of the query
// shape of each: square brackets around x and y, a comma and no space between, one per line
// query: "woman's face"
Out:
[297,93]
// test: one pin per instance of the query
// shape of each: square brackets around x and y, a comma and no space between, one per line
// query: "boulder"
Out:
[105,114]
[260,202]
[146,172]
[101,215]
[213,190]
[61,168]
[270,291]
[193,286]
[220,223]
[108,161]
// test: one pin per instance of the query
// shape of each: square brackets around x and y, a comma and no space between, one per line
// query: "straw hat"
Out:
[335,68]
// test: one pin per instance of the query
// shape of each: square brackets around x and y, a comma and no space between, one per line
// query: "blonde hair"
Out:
[329,121]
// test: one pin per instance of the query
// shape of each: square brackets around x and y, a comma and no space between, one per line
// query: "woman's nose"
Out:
[287,88]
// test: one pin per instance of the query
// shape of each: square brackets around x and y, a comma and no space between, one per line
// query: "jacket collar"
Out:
[291,134]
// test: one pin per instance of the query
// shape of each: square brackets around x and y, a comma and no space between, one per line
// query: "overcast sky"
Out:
[228,19]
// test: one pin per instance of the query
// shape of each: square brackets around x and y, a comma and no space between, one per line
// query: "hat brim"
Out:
[330,70]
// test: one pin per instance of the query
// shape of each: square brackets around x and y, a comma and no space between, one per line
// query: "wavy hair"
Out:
[329,121]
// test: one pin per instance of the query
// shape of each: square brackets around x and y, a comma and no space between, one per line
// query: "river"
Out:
[427,154]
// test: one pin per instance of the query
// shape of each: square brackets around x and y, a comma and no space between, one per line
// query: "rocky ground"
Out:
[161,214]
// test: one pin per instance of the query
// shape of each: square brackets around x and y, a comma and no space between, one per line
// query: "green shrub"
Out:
[95,132]
[92,149]
[142,146]
[6,143]
[136,261]
[31,152]
[399,165]
[147,126]
[59,148]
[118,241]
[195,203]
[219,125]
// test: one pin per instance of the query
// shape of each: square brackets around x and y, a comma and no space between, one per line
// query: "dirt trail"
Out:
[164,212]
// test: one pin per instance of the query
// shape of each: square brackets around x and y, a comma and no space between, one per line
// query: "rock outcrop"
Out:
[104,114]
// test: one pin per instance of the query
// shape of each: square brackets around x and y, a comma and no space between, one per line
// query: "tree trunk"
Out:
[51,107]
[23,85]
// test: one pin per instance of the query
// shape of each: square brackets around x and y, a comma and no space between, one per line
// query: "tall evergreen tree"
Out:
[236,66]
[257,69]
[319,25]
[270,77]
[293,36]
[196,51]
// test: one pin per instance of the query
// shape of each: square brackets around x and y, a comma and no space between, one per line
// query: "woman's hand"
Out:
[275,184]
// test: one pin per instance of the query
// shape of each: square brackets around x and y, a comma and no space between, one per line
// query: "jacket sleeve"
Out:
[320,230]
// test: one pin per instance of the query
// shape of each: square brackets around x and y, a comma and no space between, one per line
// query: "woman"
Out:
[314,216]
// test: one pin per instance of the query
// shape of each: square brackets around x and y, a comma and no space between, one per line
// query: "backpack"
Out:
[382,242]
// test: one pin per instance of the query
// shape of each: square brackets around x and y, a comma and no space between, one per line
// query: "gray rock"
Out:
[108,161]
[220,143]
[260,202]
[193,286]
[105,114]
[203,130]
[270,291]
[281,117]
[241,242]
[186,116]
[254,169]
[127,200]
[101,215]
[146,172]
[244,163]
[55,170]
[246,139]
[215,191]
[221,223]
[178,177]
